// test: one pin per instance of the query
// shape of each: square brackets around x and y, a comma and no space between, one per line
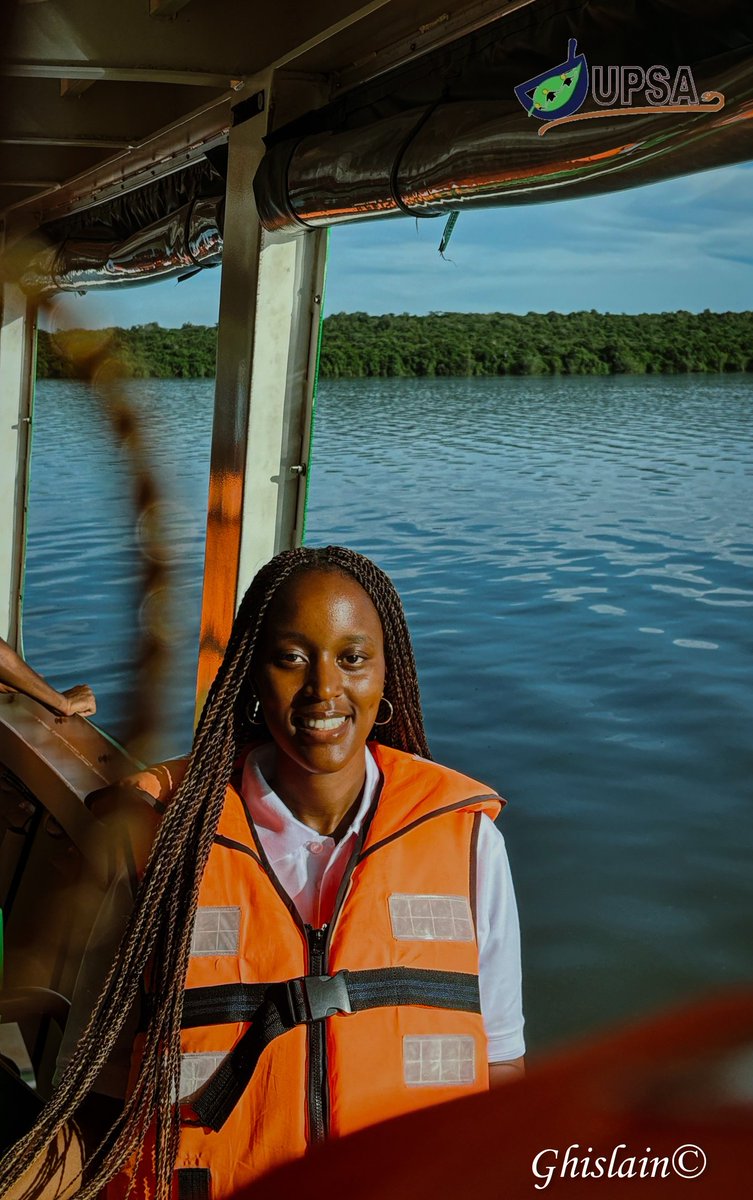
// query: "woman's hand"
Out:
[79,699]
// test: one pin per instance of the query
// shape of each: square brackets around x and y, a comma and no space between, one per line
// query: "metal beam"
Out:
[33,184]
[17,346]
[166,151]
[112,112]
[430,35]
[79,71]
[330,32]
[75,143]
[288,314]
[270,306]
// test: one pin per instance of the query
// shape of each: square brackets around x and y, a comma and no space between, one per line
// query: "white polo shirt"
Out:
[310,867]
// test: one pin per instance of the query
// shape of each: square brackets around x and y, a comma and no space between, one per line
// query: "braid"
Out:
[157,939]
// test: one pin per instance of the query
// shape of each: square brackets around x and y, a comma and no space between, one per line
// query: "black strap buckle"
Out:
[314,997]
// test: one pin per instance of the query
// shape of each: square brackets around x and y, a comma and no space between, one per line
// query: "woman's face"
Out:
[319,670]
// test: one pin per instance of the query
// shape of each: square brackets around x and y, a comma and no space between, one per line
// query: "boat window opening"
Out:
[90,546]
[571,548]
[573,545]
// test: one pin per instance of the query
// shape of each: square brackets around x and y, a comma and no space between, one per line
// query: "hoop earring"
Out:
[387,720]
[254,714]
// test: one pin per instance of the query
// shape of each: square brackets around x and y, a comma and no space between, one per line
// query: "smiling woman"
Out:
[319,677]
[325,922]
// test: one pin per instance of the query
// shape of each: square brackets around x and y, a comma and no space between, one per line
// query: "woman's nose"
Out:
[323,680]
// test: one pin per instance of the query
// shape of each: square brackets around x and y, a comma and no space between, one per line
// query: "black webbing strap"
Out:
[231,1003]
[299,1001]
[227,1085]
[402,985]
[194,1183]
[224,1005]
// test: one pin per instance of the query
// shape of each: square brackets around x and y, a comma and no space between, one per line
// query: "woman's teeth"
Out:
[322,722]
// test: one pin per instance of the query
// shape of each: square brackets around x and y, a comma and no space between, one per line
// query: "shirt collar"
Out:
[269,812]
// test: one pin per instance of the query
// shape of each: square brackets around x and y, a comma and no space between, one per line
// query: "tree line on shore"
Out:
[357,345]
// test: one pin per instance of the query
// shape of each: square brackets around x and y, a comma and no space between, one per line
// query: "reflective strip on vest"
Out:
[431,918]
[430,1061]
[216,931]
[195,1072]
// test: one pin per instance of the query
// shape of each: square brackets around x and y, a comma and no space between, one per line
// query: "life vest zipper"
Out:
[318,1091]
[317,946]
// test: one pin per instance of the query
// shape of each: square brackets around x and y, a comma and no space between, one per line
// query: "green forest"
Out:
[356,345]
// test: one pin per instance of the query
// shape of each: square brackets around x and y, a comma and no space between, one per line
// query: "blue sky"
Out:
[686,244]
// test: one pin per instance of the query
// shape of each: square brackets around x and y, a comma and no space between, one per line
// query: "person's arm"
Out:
[506,1072]
[499,957]
[18,676]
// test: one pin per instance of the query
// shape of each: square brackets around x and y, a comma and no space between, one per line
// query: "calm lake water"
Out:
[576,560]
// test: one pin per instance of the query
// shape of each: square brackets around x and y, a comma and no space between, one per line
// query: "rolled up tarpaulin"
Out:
[182,241]
[449,131]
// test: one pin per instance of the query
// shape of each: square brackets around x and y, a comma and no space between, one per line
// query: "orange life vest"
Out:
[292,1034]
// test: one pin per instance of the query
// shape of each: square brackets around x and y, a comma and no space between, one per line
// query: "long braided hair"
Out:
[158,934]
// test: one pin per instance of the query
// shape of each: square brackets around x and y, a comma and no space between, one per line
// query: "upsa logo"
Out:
[557,95]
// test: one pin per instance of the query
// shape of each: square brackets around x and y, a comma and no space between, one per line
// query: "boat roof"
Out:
[97,99]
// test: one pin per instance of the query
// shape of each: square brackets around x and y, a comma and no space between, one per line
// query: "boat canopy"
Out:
[439,126]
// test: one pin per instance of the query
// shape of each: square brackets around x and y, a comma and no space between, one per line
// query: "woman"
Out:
[313,914]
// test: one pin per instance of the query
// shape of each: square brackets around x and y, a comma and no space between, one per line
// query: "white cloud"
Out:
[679,244]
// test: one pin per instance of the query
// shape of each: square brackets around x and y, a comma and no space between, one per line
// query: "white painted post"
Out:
[17,351]
[289,294]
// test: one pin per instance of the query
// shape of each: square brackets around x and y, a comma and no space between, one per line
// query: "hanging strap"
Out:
[275,1008]
[194,1183]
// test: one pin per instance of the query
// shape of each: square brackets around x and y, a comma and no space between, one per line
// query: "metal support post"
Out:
[17,352]
[270,309]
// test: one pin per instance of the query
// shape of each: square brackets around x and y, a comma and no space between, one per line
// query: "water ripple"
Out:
[601,531]
[576,558]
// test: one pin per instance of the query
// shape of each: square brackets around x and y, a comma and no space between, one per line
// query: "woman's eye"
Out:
[354,659]
[290,656]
